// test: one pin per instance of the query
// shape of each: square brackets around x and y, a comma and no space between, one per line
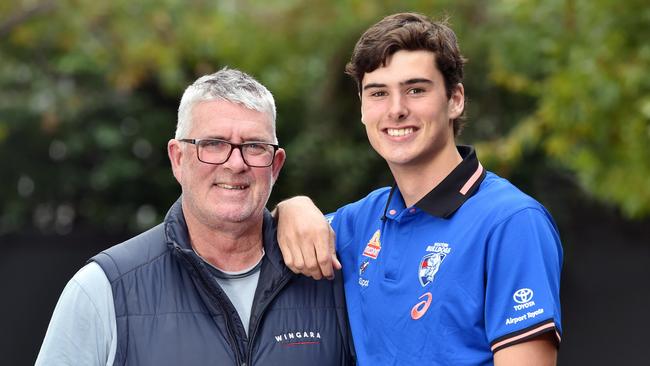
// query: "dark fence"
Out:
[605,289]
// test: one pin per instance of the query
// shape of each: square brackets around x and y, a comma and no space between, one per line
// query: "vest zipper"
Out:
[229,326]
[249,358]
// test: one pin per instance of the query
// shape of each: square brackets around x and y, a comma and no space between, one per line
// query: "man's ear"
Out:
[456,104]
[175,153]
[278,162]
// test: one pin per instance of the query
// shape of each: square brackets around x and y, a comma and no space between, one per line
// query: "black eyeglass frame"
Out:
[233,146]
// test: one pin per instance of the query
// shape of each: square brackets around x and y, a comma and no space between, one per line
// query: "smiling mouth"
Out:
[231,187]
[397,132]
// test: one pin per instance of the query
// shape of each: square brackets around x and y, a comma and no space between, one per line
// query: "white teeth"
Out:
[228,186]
[400,131]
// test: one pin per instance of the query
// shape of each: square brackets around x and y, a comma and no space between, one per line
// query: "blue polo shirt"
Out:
[471,268]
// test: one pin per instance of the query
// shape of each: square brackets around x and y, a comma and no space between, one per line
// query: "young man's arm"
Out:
[539,351]
[306,239]
[522,291]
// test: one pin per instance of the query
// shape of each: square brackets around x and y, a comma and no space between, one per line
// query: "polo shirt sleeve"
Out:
[83,327]
[524,259]
[340,221]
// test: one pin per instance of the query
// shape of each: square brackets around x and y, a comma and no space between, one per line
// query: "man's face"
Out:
[406,112]
[231,192]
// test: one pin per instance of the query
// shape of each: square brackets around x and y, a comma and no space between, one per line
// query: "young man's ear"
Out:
[456,104]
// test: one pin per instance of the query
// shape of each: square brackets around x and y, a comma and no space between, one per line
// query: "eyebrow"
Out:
[253,139]
[406,82]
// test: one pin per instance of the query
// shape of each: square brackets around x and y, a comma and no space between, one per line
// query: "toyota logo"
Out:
[523,295]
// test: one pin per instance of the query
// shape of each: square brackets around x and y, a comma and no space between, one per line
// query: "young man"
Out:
[452,265]
[208,285]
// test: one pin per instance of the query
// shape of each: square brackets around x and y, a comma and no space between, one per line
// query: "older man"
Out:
[208,285]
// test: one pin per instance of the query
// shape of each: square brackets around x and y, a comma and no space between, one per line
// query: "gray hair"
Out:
[227,84]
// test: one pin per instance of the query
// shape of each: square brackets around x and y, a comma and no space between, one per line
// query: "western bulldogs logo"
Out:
[430,263]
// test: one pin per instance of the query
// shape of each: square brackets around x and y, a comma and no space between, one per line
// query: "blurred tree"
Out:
[585,64]
[89,91]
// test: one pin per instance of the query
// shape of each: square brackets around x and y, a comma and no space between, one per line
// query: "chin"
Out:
[231,216]
[237,215]
[398,159]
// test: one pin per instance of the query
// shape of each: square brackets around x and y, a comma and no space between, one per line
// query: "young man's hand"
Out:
[306,239]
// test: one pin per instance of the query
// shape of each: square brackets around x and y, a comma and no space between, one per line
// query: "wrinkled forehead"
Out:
[223,119]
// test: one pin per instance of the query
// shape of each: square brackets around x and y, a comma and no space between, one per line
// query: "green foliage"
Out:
[586,63]
[89,91]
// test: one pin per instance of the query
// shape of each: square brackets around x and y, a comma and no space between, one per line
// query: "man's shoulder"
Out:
[375,201]
[497,200]
[376,198]
[82,327]
[499,193]
[133,253]
[90,278]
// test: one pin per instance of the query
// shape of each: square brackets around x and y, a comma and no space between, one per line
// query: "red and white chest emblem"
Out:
[373,247]
[430,263]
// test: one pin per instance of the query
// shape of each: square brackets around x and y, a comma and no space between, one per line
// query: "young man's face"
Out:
[231,192]
[406,112]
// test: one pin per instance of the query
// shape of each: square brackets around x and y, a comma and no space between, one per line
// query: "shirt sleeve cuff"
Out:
[526,334]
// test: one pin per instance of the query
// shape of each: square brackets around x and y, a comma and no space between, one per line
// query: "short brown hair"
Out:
[411,32]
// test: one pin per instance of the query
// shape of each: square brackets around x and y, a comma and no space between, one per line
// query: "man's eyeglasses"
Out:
[215,151]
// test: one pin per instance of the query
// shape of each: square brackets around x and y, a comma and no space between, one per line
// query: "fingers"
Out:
[324,257]
[306,238]
[335,261]
[326,253]
[301,261]
[310,253]
[312,267]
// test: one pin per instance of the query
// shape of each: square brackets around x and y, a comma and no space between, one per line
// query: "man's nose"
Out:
[398,108]
[236,161]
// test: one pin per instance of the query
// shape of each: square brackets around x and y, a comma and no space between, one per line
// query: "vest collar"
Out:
[176,235]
